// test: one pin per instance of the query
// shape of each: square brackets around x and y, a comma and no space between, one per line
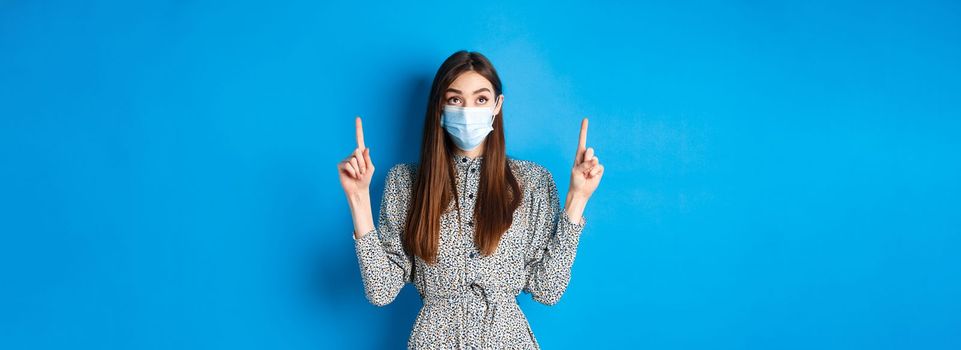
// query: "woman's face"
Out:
[471,89]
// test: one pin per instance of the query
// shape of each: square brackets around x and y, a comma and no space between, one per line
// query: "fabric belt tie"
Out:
[493,297]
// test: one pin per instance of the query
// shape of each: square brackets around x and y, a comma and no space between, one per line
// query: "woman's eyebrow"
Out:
[475,92]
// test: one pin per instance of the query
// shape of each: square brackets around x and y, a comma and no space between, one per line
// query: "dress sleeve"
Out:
[554,244]
[384,265]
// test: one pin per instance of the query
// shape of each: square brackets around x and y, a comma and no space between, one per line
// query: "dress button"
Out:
[472,170]
[463,160]
[471,196]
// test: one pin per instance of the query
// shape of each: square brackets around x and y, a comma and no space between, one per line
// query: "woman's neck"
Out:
[474,153]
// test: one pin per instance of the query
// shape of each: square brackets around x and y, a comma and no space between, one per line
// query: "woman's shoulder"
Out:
[403,166]
[531,171]
[403,172]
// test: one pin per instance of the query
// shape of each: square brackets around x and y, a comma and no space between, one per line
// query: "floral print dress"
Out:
[470,300]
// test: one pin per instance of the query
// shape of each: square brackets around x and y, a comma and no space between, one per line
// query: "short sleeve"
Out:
[384,265]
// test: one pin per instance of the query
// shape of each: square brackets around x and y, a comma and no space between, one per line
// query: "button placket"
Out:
[469,188]
[466,243]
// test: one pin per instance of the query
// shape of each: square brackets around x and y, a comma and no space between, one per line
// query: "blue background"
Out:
[779,175]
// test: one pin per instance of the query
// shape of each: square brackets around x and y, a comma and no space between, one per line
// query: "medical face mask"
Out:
[468,126]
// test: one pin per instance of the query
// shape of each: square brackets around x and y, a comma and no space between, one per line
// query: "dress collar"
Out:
[465,161]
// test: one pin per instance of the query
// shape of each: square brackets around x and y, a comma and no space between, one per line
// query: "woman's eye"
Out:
[453,100]
[482,100]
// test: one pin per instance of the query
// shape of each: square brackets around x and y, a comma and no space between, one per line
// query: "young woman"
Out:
[469,226]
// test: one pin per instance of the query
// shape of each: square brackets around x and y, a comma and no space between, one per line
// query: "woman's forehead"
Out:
[469,82]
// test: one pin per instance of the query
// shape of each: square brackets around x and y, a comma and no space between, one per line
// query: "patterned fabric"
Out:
[470,300]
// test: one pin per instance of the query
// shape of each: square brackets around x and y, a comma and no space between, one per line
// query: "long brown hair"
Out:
[498,194]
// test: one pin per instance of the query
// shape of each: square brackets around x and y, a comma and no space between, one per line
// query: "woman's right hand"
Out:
[357,170]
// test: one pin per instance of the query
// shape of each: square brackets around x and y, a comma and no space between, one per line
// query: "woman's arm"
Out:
[554,243]
[384,266]
[356,172]
[556,238]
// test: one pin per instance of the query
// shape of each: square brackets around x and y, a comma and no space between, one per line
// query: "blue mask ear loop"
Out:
[494,111]
[442,116]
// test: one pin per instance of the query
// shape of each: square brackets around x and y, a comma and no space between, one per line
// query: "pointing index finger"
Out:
[360,133]
[582,142]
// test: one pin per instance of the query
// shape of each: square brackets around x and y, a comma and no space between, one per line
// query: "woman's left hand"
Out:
[587,171]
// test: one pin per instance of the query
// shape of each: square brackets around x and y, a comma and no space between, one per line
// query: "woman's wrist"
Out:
[358,197]
[360,211]
[574,206]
